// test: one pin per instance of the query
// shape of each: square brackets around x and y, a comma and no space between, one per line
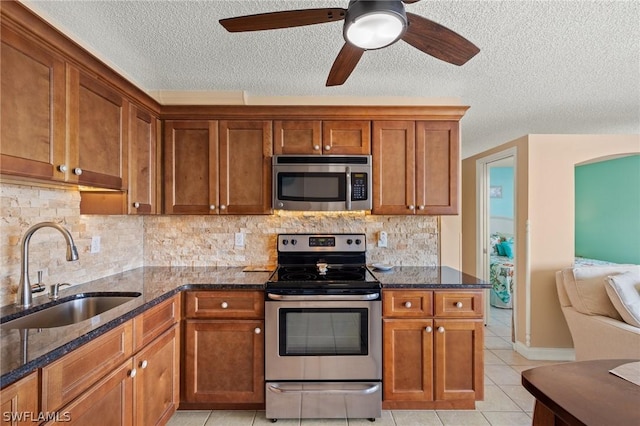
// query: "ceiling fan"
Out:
[368,25]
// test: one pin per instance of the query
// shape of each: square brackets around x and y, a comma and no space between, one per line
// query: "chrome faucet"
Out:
[25,297]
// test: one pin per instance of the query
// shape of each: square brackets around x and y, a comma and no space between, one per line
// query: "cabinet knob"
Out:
[411,207]
[136,204]
[257,330]
[421,207]
[441,329]
[458,305]
[428,329]
[222,207]
[327,147]
[133,373]
[62,168]
[212,207]
[316,147]
[224,305]
[143,364]
[407,304]
[77,171]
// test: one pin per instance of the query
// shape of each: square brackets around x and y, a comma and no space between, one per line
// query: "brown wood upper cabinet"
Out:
[32,109]
[143,157]
[98,130]
[216,167]
[303,137]
[415,167]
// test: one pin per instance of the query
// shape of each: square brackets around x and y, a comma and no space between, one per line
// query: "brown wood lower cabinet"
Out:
[223,350]
[432,360]
[224,362]
[107,382]
[18,399]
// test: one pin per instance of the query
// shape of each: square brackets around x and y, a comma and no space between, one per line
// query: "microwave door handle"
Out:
[349,189]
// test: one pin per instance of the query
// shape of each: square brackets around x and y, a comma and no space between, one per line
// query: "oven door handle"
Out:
[366,391]
[323,297]
[349,189]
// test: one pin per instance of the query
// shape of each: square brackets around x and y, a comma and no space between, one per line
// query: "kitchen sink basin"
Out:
[69,312]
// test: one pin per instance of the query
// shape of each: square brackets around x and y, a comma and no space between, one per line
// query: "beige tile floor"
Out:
[506,402]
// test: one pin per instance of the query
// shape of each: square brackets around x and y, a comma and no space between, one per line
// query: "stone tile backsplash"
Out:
[128,242]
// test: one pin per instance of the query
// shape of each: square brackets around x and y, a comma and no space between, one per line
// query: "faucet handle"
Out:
[39,286]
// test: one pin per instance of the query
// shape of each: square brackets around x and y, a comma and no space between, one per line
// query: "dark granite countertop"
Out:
[428,277]
[24,351]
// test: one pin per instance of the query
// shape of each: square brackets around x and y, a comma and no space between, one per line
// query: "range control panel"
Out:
[322,242]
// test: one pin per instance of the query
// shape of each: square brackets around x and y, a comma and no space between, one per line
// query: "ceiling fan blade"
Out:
[410,1]
[344,64]
[438,41]
[285,19]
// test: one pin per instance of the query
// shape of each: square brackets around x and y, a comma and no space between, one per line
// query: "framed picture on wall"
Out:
[495,191]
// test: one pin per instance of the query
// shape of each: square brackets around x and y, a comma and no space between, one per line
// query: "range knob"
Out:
[349,241]
[358,241]
[294,242]
[285,242]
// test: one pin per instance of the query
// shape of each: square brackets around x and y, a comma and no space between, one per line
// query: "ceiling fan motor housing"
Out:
[374,24]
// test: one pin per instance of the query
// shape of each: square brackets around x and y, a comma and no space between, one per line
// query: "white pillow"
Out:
[624,292]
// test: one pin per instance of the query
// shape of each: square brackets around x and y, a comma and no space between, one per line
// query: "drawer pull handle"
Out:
[257,330]
[136,204]
[212,207]
[133,373]
[407,305]
[458,305]
[316,147]
[441,329]
[411,207]
[77,171]
[143,364]
[327,147]
[224,305]
[428,329]
[63,168]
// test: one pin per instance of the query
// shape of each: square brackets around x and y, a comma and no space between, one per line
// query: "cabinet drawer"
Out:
[407,303]
[225,304]
[156,320]
[71,375]
[458,304]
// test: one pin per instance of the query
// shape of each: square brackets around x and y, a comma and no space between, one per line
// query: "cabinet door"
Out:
[297,137]
[143,142]
[437,165]
[68,377]
[109,402]
[459,360]
[245,167]
[346,137]
[191,167]
[393,167]
[98,130]
[224,362]
[18,399]
[32,110]
[408,361]
[157,382]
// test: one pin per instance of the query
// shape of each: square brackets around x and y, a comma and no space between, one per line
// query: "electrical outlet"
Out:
[382,239]
[95,245]
[239,240]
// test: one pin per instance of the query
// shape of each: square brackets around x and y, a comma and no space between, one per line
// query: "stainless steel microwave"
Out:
[322,182]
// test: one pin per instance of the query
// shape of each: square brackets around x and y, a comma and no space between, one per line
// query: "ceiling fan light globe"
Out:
[375,30]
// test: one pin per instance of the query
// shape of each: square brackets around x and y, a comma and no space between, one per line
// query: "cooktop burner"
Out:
[326,263]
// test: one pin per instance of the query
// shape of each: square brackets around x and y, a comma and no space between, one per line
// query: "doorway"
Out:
[497,233]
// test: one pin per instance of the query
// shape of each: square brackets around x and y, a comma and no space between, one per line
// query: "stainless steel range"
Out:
[323,333]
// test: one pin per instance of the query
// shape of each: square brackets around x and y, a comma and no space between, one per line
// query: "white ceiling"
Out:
[544,66]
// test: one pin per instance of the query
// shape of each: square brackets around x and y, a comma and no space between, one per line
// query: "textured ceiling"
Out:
[544,66]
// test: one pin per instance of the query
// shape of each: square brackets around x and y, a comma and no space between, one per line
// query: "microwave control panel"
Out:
[359,186]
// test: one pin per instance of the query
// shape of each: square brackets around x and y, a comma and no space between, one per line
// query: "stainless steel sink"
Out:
[67,312]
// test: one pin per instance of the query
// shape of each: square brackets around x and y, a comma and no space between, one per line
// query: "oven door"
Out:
[323,340]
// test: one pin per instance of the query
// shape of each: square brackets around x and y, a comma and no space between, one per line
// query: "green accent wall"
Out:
[607,216]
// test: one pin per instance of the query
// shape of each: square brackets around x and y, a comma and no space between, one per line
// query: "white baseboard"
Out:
[545,354]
